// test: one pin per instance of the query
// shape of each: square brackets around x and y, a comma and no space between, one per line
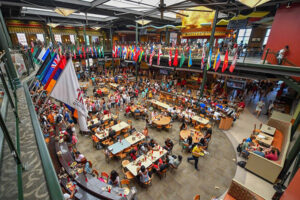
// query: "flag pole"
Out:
[211,41]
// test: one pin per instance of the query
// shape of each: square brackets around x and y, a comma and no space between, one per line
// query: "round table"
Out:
[162,120]
[184,134]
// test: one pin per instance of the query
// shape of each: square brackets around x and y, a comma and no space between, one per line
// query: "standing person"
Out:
[259,107]
[281,54]
[196,153]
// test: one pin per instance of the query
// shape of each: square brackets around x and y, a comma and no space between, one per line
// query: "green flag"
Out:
[181,60]
[102,52]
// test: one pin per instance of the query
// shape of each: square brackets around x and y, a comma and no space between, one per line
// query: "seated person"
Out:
[88,168]
[146,132]
[217,115]
[111,132]
[143,148]
[168,144]
[79,157]
[152,143]
[203,143]
[114,179]
[259,152]
[127,110]
[131,129]
[272,154]
[159,166]
[174,161]
[208,135]
[133,154]
[137,110]
[143,174]
[188,142]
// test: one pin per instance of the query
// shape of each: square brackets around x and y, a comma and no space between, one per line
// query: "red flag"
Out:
[74,51]
[232,66]
[203,57]
[170,58]
[146,51]
[83,53]
[175,61]
[225,63]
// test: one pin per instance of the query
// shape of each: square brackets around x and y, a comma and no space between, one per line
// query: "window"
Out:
[57,38]
[40,37]
[95,39]
[244,36]
[22,39]
[72,39]
[267,36]
[87,40]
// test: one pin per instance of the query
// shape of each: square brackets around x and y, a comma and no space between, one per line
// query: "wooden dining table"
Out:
[162,120]
[196,135]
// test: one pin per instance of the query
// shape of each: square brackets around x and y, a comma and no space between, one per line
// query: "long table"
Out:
[118,127]
[125,143]
[105,118]
[146,160]
[160,104]
[201,120]
[87,182]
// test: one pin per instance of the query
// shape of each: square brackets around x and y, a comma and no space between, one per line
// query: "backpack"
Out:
[242,164]
[239,148]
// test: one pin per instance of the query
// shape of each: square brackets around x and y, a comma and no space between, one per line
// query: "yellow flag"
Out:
[216,59]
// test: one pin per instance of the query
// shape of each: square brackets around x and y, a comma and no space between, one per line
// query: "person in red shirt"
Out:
[272,155]
[127,110]
[136,93]
[99,92]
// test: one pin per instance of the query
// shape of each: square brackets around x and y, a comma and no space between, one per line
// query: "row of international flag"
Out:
[71,51]
[138,53]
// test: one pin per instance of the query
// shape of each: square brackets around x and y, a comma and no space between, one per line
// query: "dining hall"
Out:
[149,100]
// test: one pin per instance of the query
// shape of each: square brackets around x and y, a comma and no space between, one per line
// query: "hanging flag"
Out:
[43,51]
[208,65]
[102,51]
[74,52]
[67,90]
[141,55]
[158,56]
[232,66]
[55,74]
[51,69]
[182,58]
[203,57]
[190,58]
[170,58]
[225,63]
[43,66]
[151,56]
[99,51]
[175,61]
[83,50]
[217,61]
[46,69]
[146,54]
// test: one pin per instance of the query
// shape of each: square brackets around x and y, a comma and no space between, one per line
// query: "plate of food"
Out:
[80,170]
[70,184]
[73,164]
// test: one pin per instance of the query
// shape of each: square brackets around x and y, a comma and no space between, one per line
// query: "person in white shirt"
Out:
[259,107]
[281,54]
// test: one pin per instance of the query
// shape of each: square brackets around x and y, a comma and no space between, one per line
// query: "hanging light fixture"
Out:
[143,21]
[253,3]
[96,28]
[64,11]
[53,25]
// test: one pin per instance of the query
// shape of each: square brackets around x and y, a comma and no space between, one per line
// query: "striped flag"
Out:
[208,65]
[55,74]
[232,66]
[225,63]
[170,58]
[203,57]
[158,56]
[51,69]
[151,56]
[190,58]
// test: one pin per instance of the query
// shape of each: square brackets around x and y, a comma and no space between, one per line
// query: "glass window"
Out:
[22,39]
[95,39]
[72,39]
[87,40]
[57,38]
[40,37]
[267,36]
[244,35]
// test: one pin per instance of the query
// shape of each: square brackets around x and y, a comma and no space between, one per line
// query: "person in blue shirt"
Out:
[259,152]
[116,79]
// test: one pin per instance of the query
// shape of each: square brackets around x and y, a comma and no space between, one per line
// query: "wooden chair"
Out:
[197,197]
[104,176]
[107,142]
[125,163]
[125,182]
[168,127]
[121,155]
[126,135]
[159,127]
[162,173]
[112,123]
[137,115]
[125,130]
[129,121]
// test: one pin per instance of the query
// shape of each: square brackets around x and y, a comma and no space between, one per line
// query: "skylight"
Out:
[87,0]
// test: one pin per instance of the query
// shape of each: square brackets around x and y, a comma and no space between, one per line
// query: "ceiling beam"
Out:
[99,2]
